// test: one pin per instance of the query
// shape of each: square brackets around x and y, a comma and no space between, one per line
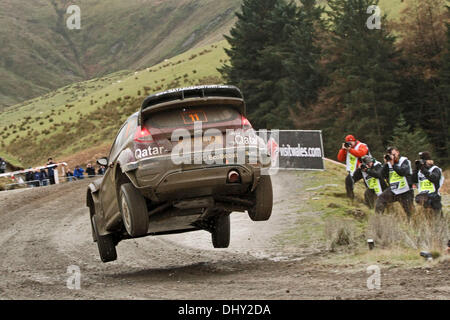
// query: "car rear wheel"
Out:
[134,211]
[105,244]
[263,195]
[221,231]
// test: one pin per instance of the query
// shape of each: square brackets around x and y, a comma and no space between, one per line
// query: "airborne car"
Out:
[146,191]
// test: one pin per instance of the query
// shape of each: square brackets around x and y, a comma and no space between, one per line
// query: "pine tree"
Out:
[248,69]
[409,142]
[302,63]
[274,59]
[362,95]
[443,148]
[422,32]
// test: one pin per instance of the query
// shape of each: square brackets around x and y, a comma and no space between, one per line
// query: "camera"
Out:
[347,144]
[420,163]
[388,157]
[364,166]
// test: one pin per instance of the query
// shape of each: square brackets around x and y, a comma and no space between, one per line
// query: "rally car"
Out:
[148,190]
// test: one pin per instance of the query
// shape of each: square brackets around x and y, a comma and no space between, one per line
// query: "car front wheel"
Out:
[221,231]
[263,196]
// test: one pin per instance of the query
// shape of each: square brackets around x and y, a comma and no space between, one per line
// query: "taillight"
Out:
[143,135]
[245,123]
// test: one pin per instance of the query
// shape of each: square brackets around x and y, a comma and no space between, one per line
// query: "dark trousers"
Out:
[370,197]
[52,179]
[350,183]
[430,201]
[406,200]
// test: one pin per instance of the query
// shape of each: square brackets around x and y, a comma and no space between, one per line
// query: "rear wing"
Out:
[187,95]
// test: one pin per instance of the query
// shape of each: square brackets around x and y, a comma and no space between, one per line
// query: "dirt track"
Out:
[45,230]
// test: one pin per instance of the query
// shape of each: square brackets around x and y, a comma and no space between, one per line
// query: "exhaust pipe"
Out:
[233,177]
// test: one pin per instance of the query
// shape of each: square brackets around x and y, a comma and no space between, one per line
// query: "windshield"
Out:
[186,116]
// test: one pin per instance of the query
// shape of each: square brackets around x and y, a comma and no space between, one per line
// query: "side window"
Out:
[129,131]
[116,146]
[125,134]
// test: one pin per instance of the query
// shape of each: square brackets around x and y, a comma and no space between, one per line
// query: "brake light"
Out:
[143,135]
[245,123]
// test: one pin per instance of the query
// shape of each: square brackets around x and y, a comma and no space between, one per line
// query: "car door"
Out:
[108,194]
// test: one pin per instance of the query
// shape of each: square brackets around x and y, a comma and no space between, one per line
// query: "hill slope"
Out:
[86,114]
[38,52]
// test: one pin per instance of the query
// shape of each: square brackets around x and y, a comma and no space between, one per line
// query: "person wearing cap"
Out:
[372,172]
[398,172]
[429,179]
[351,153]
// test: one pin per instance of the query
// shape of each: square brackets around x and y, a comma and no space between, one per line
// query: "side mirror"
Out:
[103,162]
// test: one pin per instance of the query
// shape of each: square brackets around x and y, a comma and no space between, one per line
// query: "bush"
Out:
[339,233]
[424,232]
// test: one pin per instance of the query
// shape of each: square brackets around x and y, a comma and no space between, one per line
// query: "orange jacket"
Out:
[361,152]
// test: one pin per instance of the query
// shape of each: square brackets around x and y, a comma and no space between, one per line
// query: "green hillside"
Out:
[85,114]
[38,53]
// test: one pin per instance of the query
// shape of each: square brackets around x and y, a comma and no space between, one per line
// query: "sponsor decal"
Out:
[148,152]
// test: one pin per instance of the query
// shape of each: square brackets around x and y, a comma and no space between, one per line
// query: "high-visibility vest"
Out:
[373,183]
[399,184]
[426,185]
[352,161]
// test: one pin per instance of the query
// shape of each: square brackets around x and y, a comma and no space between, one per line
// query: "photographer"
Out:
[372,172]
[398,172]
[429,179]
[51,166]
[351,153]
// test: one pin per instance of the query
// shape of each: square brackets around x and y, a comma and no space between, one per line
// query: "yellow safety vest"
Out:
[373,183]
[399,184]
[352,161]
[426,185]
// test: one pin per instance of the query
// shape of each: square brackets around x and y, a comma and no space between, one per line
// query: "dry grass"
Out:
[446,187]
[424,232]
[339,233]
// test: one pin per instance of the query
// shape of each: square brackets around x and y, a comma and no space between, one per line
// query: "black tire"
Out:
[263,195]
[221,233]
[133,208]
[105,244]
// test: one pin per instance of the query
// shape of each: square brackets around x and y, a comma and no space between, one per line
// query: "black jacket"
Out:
[377,172]
[434,176]
[404,170]
[90,172]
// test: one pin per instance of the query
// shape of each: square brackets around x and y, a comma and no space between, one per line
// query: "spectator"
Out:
[37,178]
[90,170]
[50,169]
[78,173]
[2,166]
[101,171]
[43,178]
[29,177]
[69,175]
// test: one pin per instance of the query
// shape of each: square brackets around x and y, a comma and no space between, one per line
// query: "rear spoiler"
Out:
[221,92]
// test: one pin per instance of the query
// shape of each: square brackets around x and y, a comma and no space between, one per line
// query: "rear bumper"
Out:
[160,179]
